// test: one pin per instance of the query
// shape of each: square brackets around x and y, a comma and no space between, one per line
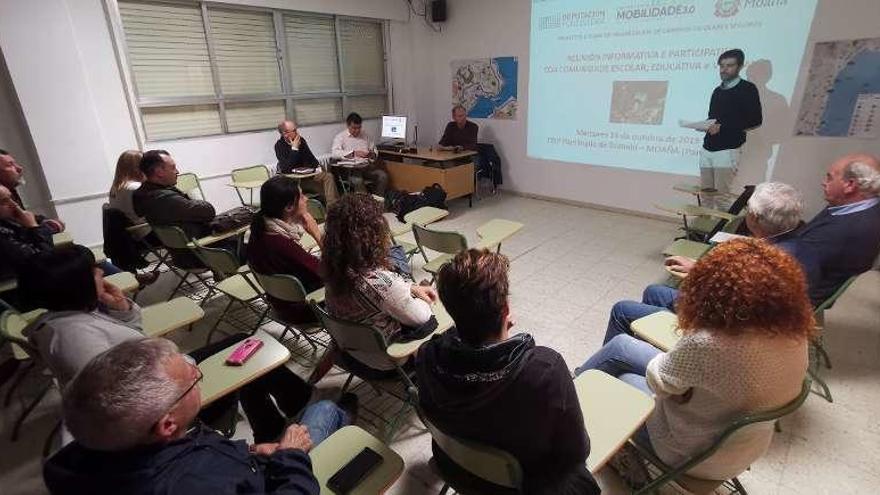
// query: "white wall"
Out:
[63,67]
[501,28]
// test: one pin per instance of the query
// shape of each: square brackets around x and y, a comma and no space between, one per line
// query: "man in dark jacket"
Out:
[161,203]
[479,383]
[131,411]
[21,234]
[292,152]
[846,234]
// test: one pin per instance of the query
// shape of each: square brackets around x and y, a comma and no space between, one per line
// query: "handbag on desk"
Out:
[232,219]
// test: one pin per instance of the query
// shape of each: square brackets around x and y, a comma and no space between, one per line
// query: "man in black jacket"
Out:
[22,235]
[736,108]
[292,152]
[131,411]
[846,235]
[479,383]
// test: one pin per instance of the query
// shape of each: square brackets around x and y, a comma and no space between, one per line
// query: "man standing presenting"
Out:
[736,108]
[293,152]
[354,144]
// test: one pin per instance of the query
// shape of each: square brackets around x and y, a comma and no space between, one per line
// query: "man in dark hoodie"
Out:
[131,411]
[476,382]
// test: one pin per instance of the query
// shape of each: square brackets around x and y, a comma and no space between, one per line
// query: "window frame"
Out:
[287,95]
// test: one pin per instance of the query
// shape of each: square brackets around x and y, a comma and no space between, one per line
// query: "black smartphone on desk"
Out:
[348,477]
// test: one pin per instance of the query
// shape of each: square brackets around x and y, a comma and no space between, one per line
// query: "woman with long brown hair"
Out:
[126,181]
[745,321]
[361,285]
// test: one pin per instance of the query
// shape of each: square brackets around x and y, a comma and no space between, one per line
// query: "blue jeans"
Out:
[322,418]
[108,268]
[655,298]
[397,259]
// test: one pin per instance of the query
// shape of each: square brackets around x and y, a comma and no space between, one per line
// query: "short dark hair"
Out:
[473,288]
[353,118]
[3,152]
[60,280]
[275,195]
[151,160]
[736,53]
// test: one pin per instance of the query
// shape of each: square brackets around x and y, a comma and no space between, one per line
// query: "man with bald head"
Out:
[846,235]
[293,152]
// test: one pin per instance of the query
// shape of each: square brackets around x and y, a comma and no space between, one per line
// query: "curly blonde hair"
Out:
[746,285]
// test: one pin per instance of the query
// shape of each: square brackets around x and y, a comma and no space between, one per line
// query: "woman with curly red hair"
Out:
[745,321]
[361,284]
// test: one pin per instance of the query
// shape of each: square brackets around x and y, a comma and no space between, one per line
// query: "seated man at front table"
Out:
[293,152]
[131,411]
[354,144]
[461,133]
[477,382]
[772,213]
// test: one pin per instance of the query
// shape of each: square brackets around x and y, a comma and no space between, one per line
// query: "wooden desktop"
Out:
[415,170]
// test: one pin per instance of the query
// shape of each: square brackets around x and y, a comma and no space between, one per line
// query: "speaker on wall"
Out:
[438,11]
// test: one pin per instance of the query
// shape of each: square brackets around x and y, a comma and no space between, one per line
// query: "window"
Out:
[202,69]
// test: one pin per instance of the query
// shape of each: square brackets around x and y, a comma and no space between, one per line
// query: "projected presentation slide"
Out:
[610,82]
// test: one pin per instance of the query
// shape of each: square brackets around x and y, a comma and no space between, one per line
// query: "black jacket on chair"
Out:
[119,245]
[490,163]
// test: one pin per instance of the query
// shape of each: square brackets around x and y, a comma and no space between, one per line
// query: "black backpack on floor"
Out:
[402,202]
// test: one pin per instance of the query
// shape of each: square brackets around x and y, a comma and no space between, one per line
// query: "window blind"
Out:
[317,111]
[363,58]
[311,52]
[179,122]
[254,116]
[245,51]
[167,49]
[368,107]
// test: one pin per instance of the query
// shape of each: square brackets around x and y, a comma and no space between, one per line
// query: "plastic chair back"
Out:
[361,342]
[220,261]
[317,210]
[11,326]
[189,184]
[282,286]
[487,463]
[436,240]
[171,236]
[249,174]
[733,225]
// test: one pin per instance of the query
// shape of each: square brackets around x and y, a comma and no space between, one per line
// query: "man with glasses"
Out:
[132,411]
[293,152]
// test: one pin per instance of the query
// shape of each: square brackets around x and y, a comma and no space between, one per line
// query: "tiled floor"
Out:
[569,265]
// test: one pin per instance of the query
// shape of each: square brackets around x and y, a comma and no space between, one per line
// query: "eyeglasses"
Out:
[192,362]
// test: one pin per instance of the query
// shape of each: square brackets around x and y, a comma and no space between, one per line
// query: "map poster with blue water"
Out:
[842,98]
[486,87]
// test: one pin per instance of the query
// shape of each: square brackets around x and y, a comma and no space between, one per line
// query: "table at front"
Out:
[446,168]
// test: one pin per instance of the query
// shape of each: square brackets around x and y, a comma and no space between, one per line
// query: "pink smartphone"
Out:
[244,351]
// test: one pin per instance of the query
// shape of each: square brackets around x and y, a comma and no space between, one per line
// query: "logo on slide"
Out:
[726,8]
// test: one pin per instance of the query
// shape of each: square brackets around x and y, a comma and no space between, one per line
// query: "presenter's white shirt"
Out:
[344,144]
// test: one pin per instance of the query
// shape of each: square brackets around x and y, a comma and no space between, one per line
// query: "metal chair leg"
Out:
[739,488]
[347,383]
[217,323]
[27,411]
[826,392]
[17,381]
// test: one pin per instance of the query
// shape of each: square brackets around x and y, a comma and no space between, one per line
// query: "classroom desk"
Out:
[700,193]
[613,411]
[427,166]
[422,216]
[308,175]
[214,238]
[444,323]
[162,318]
[659,329]
[341,447]
[61,239]
[221,378]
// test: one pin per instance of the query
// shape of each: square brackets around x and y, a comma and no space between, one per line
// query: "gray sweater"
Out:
[68,340]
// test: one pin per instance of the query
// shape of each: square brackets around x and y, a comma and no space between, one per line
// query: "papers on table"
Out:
[304,170]
[700,125]
[353,162]
[720,237]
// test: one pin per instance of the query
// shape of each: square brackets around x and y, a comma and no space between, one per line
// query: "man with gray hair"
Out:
[131,411]
[293,152]
[773,213]
[846,234]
